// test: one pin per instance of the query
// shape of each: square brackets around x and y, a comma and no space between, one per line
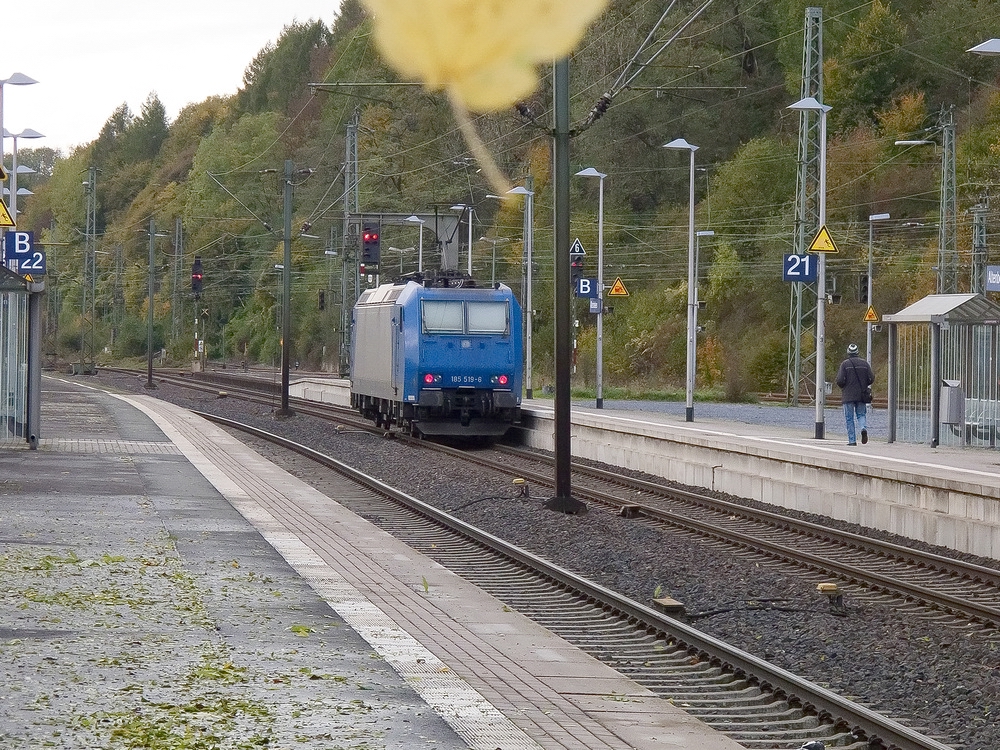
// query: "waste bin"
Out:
[952,402]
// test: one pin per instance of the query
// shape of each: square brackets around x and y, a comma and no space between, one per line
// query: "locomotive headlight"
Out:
[500,379]
[431,379]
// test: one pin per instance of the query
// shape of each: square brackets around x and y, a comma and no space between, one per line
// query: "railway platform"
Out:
[163,579]
[946,495]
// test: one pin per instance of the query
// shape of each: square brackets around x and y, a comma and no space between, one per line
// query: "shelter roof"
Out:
[949,308]
[11,282]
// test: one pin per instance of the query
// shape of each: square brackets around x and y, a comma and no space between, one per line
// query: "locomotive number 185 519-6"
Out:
[466,379]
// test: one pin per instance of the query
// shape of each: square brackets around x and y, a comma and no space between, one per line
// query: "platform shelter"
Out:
[13,357]
[944,355]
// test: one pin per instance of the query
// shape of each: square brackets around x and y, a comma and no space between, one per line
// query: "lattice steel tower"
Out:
[349,281]
[947,276]
[88,312]
[802,309]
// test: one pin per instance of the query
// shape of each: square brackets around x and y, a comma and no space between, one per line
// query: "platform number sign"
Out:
[20,254]
[799,268]
[588,288]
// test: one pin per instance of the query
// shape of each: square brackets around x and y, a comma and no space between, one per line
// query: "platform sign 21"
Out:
[799,268]
[20,254]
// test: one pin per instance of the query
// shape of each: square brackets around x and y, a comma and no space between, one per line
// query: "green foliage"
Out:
[869,69]
[132,337]
[754,186]
[279,73]
[941,32]
[723,85]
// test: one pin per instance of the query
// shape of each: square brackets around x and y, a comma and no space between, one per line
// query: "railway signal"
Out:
[196,275]
[371,244]
[576,268]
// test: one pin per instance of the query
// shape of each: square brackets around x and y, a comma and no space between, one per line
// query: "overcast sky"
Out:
[90,57]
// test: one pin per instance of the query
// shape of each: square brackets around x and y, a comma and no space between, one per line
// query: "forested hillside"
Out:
[723,84]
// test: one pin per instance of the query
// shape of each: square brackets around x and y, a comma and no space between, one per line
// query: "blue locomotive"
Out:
[438,356]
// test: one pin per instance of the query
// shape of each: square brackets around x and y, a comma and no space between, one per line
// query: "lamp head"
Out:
[590,172]
[989,47]
[681,145]
[413,220]
[519,190]
[19,79]
[809,104]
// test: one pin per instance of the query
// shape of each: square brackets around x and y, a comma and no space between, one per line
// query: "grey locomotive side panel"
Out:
[373,351]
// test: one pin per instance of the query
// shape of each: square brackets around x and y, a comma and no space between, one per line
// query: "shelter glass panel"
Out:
[914,403]
[13,366]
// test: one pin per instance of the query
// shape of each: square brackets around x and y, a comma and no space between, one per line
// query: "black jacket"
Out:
[853,377]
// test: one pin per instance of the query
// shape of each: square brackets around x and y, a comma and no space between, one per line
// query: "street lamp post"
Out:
[697,273]
[871,242]
[681,144]
[495,242]
[26,133]
[149,312]
[528,240]
[947,261]
[16,79]
[420,242]
[591,172]
[809,104]
[401,250]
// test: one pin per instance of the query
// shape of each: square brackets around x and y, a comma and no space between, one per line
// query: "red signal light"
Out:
[502,380]
[428,378]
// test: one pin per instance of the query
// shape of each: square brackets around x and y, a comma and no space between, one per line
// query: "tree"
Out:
[281,71]
[868,69]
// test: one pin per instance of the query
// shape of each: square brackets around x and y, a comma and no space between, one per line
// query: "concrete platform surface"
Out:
[164,580]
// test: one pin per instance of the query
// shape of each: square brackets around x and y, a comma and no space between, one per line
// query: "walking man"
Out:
[854,377]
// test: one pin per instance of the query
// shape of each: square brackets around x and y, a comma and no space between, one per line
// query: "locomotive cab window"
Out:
[488,317]
[442,316]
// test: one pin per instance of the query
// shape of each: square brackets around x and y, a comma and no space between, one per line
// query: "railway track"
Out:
[963,593]
[755,703]
[958,593]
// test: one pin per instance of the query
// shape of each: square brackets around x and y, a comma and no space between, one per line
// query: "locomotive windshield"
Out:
[443,316]
[456,316]
[488,317]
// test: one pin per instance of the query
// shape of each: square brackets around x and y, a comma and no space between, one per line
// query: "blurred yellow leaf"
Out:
[483,52]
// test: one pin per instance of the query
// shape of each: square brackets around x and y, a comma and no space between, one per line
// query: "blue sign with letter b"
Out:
[587,288]
[20,255]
